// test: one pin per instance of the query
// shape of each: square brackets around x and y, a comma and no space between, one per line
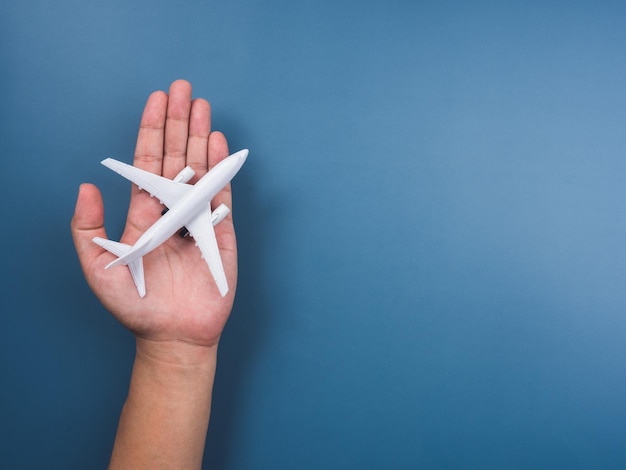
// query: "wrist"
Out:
[173,353]
[175,368]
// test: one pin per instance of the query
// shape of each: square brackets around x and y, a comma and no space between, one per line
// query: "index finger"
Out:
[149,149]
[148,156]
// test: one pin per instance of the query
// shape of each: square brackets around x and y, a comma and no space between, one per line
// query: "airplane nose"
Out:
[234,161]
[243,154]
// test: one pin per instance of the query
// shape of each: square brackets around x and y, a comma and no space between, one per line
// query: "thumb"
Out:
[88,222]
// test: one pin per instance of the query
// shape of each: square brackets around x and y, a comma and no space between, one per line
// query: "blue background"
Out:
[431,224]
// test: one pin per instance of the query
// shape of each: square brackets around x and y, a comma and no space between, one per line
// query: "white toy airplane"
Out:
[189,207]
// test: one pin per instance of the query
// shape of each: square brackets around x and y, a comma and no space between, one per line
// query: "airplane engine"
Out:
[185,175]
[219,214]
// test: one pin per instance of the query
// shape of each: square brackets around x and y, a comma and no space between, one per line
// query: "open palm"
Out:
[182,301]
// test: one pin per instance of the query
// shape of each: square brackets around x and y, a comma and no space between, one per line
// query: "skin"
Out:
[178,324]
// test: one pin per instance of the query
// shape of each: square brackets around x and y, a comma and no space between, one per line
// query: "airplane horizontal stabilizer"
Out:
[135,266]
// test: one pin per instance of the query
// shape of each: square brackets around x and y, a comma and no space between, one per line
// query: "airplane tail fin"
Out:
[135,265]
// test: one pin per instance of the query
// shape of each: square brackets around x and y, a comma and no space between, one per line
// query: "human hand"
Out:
[182,303]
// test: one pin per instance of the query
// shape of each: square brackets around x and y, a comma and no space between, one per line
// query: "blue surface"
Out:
[432,228]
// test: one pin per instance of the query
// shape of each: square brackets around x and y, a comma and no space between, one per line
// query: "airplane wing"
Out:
[165,190]
[201,229]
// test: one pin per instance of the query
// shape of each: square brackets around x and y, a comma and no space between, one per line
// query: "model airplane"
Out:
[189,207]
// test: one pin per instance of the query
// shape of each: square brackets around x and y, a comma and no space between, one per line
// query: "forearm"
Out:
[165,418]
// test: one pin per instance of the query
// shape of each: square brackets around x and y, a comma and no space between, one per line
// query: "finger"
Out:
[176,128]
[87,223]
[224,231]
[149,149]
[148,156]
[199,130]
[218,150]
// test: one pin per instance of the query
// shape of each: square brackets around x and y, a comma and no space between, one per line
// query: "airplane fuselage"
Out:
[188,207]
